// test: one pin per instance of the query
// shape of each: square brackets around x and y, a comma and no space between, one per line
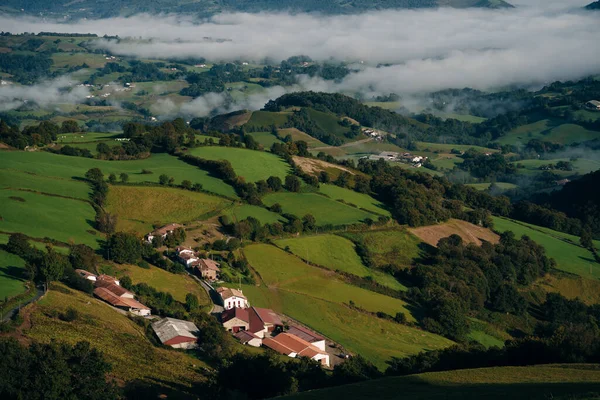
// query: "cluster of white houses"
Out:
[257,327]
[108,288]
[207,268]
[408,158]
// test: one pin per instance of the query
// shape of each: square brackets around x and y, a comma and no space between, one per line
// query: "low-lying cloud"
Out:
[45,94]
[406,52]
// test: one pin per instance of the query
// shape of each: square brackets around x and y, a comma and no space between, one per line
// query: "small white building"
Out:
[231,298]
[162,231]
[187,256]
[86,275]
[593,105]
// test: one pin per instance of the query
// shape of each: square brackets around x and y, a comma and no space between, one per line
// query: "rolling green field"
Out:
[564,248]
[361,200]
[139,208]
[336,253]
[397,247]
[12,269]
[48,164]
[244,211]
[485,186]
[550,131]
[541,382]
[177,284]
[446,148]
[266,119]
[266,139]
[581,166]
[325,210]
[299,135]
[14,179]
[251,164]
[329,123]
[284,272]
[375,339]
[41,216]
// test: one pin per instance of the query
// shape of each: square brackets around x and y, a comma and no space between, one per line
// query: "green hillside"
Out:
[575,381]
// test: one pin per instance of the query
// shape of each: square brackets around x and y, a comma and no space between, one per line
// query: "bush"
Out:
[70,315]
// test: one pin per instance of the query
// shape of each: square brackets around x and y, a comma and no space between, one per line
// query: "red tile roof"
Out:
[227,293]
[268,316]
[245,336]
[286,344]
[83,273]
[107,278]
[167,228]
[304,333]
[210,264]
[117,301]
[113,287]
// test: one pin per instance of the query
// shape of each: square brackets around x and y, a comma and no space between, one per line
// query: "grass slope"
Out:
[336,253]
[535,382]
[244,211]
[469,233]
[179,285]
[13,179]
[325,210]
[361,200]
[396,247]
[266,119]
[122,341]
[41,216]
[252,165]
[47,164]
[12,269]
[266,139]
[138,208]
[564,248]
[548,130]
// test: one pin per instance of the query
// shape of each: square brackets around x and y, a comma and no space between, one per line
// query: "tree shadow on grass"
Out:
[14,272]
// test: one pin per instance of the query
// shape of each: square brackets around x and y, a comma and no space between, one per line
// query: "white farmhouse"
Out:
[231,298]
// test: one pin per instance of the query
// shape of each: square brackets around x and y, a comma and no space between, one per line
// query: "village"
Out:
[250,325]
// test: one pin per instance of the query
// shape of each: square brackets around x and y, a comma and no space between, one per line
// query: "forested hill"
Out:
[108,8]
[593,6]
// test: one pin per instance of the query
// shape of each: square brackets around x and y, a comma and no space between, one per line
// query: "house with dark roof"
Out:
[207,268]
[293,346]
[86,275]
[248,338]
[260,322]
[115,289]
[176,333]
[163,231]
[235,319]
[593,105]
[308,335]
[107,278]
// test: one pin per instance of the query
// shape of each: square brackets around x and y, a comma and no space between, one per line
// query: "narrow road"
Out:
[212,295]
[6,315]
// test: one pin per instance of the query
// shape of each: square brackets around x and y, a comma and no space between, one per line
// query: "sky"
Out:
[427,50]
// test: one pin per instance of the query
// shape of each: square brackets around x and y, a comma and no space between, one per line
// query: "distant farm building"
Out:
[207,268]
[308,335]
[176,333]
[86,275]
[293,346]
[593,105]
[186,255]
[162,232]
[231,298]
[101,279]
[248,338]
[236,319]
[123,303]
[258,323]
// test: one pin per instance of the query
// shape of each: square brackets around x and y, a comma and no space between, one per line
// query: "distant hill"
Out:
[109,8]
[593,6]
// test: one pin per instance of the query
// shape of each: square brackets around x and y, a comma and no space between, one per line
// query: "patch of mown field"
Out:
[325,210]
[266,119]
[469,233]
[447,147]
[550,131]
[42,216]
[139,208]
[396,247]
[361,200]
[14,179]
[375,339]
[564,248]
[485,186]
[179,285]
[48,164]
[251,164]
[571,287]
[298,135]
[336,253]
[266,139]
[286,272]
[12,275]
[559,381]
[244,211]
[122,341]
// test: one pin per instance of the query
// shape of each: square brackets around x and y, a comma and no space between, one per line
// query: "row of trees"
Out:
[42,134]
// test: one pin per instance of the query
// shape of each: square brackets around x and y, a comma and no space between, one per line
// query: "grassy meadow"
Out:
[15,179]
[41,216]
[250,164]
[564,248]
[126,347]
[179,285]
[12,274]
[336,253]
[139,208]
[284,272]
[298,135]
[59,166]
[266,119]
[550,131]
[397,247]
[541,382]
[361,200]
[243,211]
[266,139]
[325,210]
